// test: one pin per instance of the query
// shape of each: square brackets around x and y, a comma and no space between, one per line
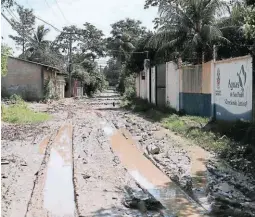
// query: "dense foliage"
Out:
[24,27]
[5,52]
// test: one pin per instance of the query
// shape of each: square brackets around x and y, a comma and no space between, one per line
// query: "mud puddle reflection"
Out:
[174,200]
[58,189]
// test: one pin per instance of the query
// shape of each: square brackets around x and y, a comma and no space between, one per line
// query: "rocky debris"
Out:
[139,199]
[153,149]
[225,194]
[86,176]
[230,192]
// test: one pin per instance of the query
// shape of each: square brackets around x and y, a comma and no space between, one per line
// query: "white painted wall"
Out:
[143,86]
[137,85]
[153,90]
[233,88]
[147,79]
[172,85]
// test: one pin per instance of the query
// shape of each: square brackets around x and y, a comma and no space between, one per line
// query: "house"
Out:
[32,81]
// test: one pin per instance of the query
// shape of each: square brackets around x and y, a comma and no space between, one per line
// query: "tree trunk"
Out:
[23,43]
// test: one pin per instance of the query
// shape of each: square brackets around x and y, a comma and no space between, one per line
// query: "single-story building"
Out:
[32,81]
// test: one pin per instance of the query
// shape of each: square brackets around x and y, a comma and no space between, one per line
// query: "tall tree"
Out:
[188,27]
[111,71]
[5,52]
[24,27]
[7,3]
[91,41]
[39,48]
[233,28]
[87,40]
[125,35]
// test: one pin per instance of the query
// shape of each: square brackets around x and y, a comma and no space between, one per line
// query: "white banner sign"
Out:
[233,89]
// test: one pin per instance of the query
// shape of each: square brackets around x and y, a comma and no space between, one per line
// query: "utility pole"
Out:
[70,66]
[147,54]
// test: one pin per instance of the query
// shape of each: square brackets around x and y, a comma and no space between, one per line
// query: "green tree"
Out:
[39,37]
[111,71]
[5,52]
[38,44]
[233,28]
[88,40]
[188,27]
[91,41]
[24,27]
[7,3]
[124,36]
[135,63]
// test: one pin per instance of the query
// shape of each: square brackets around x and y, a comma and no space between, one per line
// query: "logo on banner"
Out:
[218,79]
[218,91]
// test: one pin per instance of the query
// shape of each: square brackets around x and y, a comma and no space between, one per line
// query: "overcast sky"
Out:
[100,13]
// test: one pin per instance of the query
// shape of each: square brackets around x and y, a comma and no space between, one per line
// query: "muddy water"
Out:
[175,201]
[59,190]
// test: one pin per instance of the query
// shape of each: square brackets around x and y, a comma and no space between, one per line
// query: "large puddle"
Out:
[175,201]
[58,189]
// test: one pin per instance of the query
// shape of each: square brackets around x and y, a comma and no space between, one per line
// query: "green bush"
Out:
[18,112]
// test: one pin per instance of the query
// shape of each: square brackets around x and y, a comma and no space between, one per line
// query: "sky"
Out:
[101,13]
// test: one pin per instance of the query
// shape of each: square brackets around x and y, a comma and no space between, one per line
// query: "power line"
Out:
[26,37]
[48,23]
[61,11]
[39,17]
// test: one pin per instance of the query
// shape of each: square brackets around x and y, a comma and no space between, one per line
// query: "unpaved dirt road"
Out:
[95,159]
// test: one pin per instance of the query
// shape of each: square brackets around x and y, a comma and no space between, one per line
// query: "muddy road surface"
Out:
[95,159]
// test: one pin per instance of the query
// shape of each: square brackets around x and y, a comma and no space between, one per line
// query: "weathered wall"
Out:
[195,90]
[153,89]
[143,86]
[192,79]
[206,77]
[147,80]
[61,86]
[172,85]
[233,89]
[24,79]
[137,85]
[161,84]
[50,82]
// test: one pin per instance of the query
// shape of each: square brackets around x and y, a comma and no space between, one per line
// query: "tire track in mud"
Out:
[75,159]
[42,167]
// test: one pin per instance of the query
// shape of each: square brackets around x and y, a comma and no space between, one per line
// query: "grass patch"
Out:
[234,142]
[19,113]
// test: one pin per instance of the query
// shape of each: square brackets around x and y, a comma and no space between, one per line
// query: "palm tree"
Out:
[123,46]
[38,46]
[188,27]
[39,38]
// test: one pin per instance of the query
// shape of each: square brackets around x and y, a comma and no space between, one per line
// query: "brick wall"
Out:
[23,78]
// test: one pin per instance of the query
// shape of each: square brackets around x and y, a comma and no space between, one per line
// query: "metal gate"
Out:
[161,84]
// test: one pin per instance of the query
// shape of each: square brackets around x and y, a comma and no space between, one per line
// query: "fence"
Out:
[222,89]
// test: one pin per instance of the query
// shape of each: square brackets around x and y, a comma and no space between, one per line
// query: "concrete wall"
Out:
[172,85]
[153,88]
[61,86]
[137,85]
[233,89]
[24,79]
[195,90]
[161,84]
[195,87]
[147,78]
[143,86]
